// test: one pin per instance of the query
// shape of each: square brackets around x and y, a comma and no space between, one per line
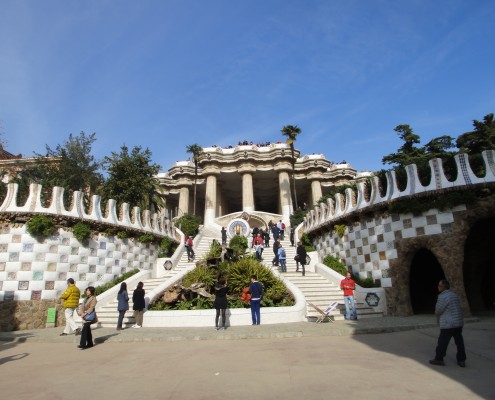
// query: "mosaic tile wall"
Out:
[369,246]
[32,270]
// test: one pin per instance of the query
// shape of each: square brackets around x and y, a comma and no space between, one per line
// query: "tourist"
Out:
[71,302]
[301,258]
[348,286]
[254,235]
[275,232]
[256,292]
[123,304]
[220,303]
[282,258]
[291,235]
[258,243]
[449,313]
[139,305]
[88,314]
[189,248]
[266,236]
[224,236]
[275,251]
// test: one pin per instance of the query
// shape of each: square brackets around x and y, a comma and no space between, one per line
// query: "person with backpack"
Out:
[256,292]
[282,258]
[267,237]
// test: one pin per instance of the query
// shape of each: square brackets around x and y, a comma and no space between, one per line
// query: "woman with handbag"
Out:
[123,304]
[88,314]
[221,302]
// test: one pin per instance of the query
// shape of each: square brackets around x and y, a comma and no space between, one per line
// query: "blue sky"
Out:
[166,74]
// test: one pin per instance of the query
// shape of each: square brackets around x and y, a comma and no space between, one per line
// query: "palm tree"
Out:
[196,150]
[291,131]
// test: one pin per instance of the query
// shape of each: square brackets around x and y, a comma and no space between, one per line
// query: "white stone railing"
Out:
[343,206]
[159,225]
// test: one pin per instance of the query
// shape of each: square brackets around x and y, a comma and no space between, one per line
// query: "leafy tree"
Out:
[481,138]
[131,178]
[408,153]
[291,131]
[189,224]
[71,166]
[196,151]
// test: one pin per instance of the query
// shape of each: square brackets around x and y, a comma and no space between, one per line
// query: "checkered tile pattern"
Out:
[369,246]
[32,270]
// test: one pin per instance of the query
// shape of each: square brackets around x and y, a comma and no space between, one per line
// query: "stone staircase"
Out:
[316,289]
[108,314]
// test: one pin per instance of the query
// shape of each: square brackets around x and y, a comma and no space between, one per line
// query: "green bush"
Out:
[306,241]
[239,274]
[297,217]
[40,225]
[340,230]
[366,283]
[335,264]
[167,247]
[189,224]
[81,231]
[103,288]
[122,234]
[146,238]
[239,244]
[200,274]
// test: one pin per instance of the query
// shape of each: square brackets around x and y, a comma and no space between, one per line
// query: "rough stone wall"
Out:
[30,314]
[383,248]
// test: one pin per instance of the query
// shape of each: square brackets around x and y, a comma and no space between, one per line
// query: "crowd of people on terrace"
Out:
[251,143]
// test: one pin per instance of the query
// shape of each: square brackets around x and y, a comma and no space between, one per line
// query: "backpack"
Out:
[282,254]
[283,226]
[245,296]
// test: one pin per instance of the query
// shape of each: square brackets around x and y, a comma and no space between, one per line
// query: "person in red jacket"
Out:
[348,286]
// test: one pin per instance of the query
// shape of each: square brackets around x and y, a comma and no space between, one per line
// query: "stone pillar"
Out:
[285,196]
[220,202]
[247,193]
[210,199]
[183,201]
[315,192]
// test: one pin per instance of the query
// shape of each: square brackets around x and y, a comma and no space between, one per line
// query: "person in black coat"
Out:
[221,301]
[139,305]
[275,251]
[301,258]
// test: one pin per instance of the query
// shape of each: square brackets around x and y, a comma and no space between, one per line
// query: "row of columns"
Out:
[214,202]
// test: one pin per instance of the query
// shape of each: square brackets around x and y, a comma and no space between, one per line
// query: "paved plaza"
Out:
[289,361]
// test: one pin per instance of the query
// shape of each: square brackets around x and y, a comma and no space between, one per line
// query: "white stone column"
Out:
[247,193]
[315,191]
[183,201]
[220,202]
[285,196]
[210,199]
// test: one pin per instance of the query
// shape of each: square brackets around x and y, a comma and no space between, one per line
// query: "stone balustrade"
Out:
[342,206]
[159,225]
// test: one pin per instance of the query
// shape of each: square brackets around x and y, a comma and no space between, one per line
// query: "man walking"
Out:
[449,313]
[256,291]
[348,285]
[71,302]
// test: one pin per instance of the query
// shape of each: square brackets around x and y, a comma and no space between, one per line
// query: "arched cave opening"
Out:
[479,266]
[425,274]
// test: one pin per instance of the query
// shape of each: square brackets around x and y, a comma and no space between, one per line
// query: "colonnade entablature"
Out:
[341,206]
[159,225]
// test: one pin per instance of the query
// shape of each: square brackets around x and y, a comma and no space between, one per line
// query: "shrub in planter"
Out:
[335,264]
[81,231]
[146,238]
[40,225]
[122,234]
